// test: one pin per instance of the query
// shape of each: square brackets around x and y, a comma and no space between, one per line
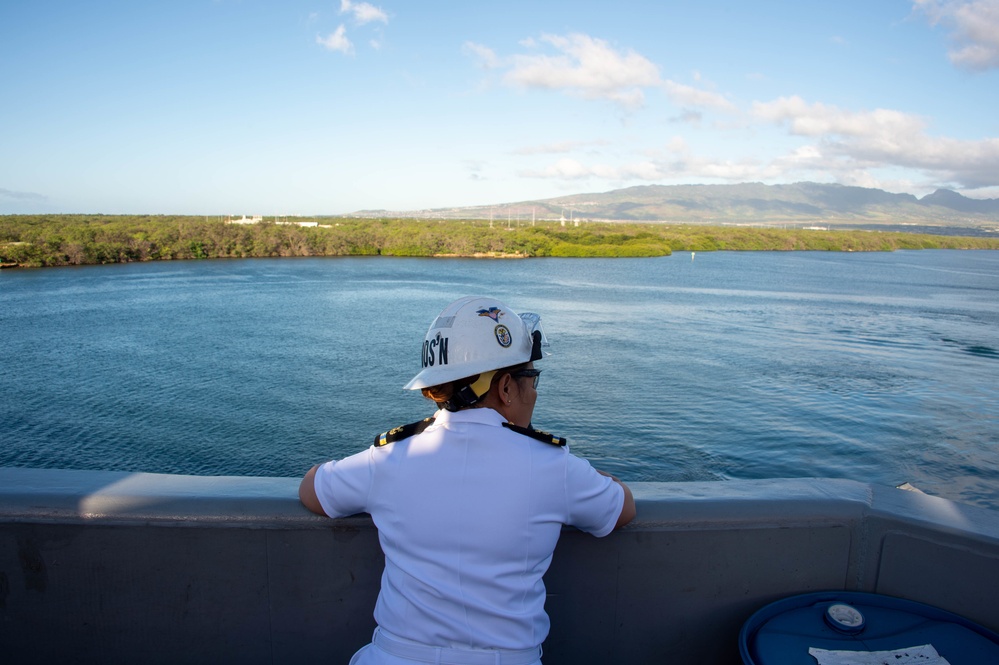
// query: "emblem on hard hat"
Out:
[503,336]
[493,313]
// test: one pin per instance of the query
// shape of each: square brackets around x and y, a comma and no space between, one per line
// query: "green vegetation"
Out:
[57,240]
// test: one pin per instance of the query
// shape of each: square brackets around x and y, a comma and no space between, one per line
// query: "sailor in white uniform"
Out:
[469,503]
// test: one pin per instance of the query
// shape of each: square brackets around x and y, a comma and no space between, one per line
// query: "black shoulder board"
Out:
[536,434]
[403,432]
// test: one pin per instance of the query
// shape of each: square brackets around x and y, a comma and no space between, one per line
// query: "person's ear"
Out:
[505,388]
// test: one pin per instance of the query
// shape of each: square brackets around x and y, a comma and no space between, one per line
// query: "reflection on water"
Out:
[874,367]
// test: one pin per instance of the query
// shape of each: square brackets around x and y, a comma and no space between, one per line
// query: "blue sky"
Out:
[328,107]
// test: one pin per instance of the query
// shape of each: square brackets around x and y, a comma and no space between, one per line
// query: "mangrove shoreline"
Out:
[64,240]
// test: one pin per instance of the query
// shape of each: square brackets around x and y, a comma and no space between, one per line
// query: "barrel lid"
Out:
[784,631]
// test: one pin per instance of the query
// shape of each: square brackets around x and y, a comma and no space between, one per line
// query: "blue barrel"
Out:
[782,632]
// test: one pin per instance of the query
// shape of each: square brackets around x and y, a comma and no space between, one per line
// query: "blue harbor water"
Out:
[881,367]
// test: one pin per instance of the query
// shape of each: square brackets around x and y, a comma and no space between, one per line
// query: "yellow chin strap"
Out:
[470,394]
[481,385]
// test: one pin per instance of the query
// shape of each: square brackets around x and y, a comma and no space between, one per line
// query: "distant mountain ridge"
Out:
[747,203]
[950,199]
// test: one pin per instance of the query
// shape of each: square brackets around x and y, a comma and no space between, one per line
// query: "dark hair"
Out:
[443,392]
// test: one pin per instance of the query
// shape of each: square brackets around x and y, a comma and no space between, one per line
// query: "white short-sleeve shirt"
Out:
[468,514]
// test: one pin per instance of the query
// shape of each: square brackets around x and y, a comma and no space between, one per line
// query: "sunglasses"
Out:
[528,374]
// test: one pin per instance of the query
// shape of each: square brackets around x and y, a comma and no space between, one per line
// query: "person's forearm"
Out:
[628,510]
[307,492]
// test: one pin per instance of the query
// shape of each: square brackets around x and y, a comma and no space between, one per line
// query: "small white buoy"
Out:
[692,256]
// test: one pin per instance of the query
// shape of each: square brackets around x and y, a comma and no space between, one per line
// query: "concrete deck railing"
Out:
[108,567]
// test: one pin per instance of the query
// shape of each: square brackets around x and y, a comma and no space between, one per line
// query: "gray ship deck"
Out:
[108,567]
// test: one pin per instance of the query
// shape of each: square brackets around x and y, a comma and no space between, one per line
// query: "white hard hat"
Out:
[473,335]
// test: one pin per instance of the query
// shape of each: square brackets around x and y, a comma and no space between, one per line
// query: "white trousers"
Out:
[389,649]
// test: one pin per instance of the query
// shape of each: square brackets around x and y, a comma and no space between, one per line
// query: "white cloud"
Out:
[677,144]
[852,148]
[745,170]
[587,67]
[974,29]
[487,57]
[688,117]
[557,148]
[879,147]
[474,168]
[983,193]
[819,119]
[682,167]
[809,162]
[685,95]
[648,171]
[25,196]
[970,163]
[571,169]
[884,138]
[806,156]
[590,68]
[363,12]
[867,179]
[337,41]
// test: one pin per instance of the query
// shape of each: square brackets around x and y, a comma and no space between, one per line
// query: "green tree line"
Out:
[59,240]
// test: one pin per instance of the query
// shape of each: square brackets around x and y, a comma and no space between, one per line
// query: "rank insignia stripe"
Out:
[402,432]
[539,435]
